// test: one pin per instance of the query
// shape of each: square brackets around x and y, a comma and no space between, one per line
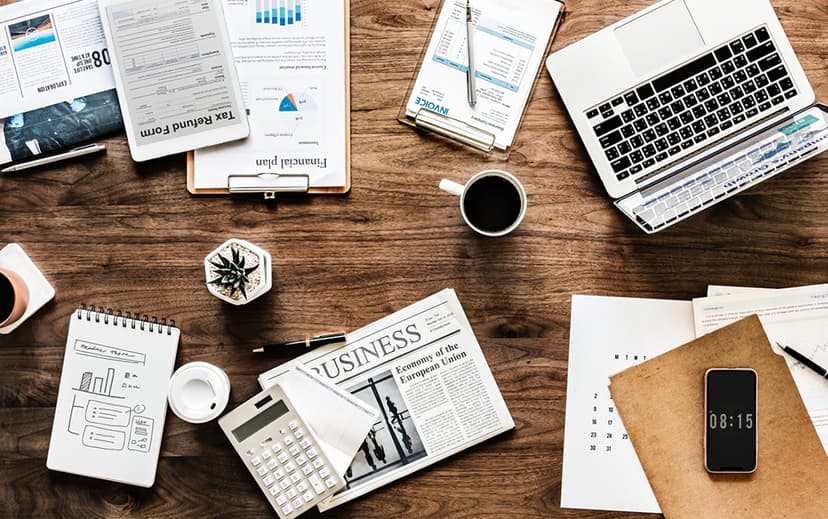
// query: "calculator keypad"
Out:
[277,464]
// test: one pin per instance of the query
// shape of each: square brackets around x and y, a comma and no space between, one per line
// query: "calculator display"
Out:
[269,415]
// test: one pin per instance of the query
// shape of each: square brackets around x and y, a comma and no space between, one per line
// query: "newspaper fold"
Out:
[423,368]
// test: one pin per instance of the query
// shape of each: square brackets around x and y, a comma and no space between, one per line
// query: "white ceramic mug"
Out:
[462,190]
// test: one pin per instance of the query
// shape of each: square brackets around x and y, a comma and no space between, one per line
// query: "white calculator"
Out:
[281,453]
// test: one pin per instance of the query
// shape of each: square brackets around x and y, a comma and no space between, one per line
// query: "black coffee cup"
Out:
[492,202]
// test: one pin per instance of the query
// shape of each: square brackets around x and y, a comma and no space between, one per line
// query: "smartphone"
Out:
[730,420]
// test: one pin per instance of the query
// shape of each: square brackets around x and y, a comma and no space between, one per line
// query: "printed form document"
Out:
[794,317]
[291,60]
[510,40]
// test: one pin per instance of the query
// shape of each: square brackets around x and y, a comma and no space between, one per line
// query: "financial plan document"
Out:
[291,60]
[510,40]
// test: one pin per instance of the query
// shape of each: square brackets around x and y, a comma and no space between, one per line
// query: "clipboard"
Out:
[271,184]
[454,131]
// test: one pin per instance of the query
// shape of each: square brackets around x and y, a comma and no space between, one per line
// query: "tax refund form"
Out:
[510,40]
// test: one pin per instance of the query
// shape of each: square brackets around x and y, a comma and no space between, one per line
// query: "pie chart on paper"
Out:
[297,102]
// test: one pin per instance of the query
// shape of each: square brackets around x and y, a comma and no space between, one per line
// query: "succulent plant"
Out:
[232,273]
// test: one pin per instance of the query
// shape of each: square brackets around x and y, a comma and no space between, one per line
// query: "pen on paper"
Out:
[822,372]
[309,342]
[77,152]
[470,84]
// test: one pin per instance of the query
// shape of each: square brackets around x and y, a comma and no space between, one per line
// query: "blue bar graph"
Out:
[279,12]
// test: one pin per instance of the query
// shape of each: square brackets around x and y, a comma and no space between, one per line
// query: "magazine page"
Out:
[56,83]
[423,368]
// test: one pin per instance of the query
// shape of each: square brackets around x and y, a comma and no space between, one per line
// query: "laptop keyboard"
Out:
[755,163]
[680,110]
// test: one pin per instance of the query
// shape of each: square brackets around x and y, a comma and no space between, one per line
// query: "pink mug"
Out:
[14,297]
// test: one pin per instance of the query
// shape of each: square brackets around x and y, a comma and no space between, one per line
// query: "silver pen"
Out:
[470,86]
[77,152]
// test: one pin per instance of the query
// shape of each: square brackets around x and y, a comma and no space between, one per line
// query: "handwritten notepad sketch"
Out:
[112,399]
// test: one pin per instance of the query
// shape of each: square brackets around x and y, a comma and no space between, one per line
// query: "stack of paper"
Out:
[608,335]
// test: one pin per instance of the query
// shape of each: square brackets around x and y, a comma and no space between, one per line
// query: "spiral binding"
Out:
[135,321]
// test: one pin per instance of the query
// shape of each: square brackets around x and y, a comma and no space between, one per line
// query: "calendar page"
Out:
[609,334]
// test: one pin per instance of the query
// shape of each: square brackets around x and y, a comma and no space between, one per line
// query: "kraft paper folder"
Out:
[457,132]
[270,184]
[661,403]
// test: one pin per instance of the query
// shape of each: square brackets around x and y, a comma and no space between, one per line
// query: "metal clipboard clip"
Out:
[456,130]
[269,184]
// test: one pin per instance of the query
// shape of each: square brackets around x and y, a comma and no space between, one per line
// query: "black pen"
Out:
[310,342]
[805,360]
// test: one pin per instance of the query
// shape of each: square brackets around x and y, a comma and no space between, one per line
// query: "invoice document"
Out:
[291,60]
[510,40]
[608,335]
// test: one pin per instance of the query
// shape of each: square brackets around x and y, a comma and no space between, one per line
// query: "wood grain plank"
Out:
[109,232]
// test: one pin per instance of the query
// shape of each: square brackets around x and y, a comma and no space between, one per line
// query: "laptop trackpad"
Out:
[659,38]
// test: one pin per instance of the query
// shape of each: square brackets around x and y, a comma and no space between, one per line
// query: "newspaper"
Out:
[424,369]
[56,82]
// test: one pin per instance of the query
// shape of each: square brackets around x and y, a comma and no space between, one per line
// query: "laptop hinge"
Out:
[753,132]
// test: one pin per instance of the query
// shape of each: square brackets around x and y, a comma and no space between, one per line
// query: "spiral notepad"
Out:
[112,400]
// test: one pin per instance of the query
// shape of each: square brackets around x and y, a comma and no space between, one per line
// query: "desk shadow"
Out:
[498,268]
[254,323]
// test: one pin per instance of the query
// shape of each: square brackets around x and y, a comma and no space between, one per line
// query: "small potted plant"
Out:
[238,272]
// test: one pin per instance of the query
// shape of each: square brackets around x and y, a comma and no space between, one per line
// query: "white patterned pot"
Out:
[228,261]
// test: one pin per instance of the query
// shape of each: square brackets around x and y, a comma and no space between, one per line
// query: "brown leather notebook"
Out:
[661,403]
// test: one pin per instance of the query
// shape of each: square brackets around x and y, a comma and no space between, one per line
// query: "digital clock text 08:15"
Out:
[724,421]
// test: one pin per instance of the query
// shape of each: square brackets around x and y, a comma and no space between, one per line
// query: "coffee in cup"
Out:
[14,297]
[492,202]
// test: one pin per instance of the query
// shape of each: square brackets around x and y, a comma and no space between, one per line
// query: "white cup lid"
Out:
[199,392]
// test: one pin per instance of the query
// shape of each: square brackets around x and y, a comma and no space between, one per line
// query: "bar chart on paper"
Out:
[101,386]
[279,12]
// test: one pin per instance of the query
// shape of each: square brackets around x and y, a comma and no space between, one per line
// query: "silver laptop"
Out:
[688,102]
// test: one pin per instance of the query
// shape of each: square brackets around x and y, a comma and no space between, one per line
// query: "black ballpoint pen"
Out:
[310,342]
[805,360]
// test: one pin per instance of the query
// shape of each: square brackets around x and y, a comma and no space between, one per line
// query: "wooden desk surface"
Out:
[109,232]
